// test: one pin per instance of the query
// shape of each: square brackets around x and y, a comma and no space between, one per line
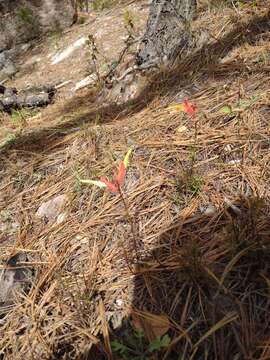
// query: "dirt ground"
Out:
[36,66]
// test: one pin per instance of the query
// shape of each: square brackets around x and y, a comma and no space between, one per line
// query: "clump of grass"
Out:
[5,215]
[19,118]
[189,185]
[96,58]
[25,14]
[195,185]
[99,5]
[134,345]
[27,19]
[129,22]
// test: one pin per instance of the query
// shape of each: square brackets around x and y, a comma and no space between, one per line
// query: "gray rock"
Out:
[40,99]
[14,278]
[9,102]
[208,209]
[32,97]
[23,20]
[10,91]
[7,67]
[51,209]
[3,59]
[8,70]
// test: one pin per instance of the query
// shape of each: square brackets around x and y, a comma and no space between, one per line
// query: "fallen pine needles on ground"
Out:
[174,263]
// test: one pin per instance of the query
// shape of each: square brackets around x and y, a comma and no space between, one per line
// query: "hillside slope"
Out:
[182,250]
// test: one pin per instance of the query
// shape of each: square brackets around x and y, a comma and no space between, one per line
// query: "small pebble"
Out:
[208,209]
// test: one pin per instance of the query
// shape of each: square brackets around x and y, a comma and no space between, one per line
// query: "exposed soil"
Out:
[36,68]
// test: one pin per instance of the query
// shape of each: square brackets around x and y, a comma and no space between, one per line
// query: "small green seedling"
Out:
[135,346]
[195,184]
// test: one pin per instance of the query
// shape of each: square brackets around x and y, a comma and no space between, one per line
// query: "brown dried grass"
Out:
[208,275]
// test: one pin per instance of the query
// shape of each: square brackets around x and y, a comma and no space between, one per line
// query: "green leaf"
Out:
[159,343]
[117,346]
[227,109]
[139,333]
[165,340]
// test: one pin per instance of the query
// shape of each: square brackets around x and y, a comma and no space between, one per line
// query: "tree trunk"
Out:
[167,31]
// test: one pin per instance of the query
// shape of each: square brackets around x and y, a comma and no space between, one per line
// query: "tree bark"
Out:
[167,31]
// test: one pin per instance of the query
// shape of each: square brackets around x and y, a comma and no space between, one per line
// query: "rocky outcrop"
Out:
[23,20]
[10,98]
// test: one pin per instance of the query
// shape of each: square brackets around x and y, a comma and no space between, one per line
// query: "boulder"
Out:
[10,98]
[23,20]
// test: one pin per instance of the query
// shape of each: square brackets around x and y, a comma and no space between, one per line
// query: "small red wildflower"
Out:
[109,185]
[189,108]
[120,177]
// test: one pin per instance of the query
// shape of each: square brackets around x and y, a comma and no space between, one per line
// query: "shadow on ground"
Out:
[209,278]
[204,62]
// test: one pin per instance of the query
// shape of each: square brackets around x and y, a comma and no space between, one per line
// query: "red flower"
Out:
[109,185]
[189,108]
[120,177]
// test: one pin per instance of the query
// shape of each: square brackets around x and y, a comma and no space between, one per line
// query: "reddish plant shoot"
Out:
[119,178]
[112,187]
[189,108]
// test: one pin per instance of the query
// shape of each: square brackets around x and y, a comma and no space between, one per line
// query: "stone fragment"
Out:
[51,209]
[14,278]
